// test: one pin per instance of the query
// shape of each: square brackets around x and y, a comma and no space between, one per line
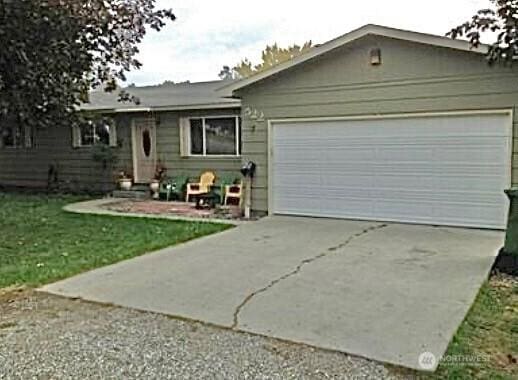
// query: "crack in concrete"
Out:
[299,267]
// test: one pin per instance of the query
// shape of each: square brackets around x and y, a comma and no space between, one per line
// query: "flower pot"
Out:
[125,184]
[154,186]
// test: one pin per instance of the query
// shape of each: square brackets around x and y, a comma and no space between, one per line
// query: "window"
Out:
[196,136]
[14,136]
[211,136]
[91,133]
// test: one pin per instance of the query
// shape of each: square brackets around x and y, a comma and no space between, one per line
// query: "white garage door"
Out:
[448,170]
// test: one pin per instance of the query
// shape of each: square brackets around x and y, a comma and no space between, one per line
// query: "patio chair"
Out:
[172,188]
[234,191]
[221,185]
[203,187]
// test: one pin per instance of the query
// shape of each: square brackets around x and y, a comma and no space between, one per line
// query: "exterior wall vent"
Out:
[375,56]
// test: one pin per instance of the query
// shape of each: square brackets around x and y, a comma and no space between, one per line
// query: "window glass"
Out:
[196,136]
[240,128]
[8,136]
[87,134]
[221,136]
[102,133]
[146,142]
[212,136]
[92,133]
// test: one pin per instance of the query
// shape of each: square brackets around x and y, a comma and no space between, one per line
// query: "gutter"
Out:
[236,104]
[197,107]
[128,110]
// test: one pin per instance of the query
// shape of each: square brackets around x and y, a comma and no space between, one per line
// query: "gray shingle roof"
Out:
[167,96]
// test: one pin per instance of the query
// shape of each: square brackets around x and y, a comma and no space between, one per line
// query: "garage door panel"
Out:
[429,180]
[361,182]
[450,211]
[399,210]
[307,181]
[468,183]
[436,199]
[450,179]
[438,170]
[402,153]
[286,156]
[440,127]
[401,178]
[352,154]
[453,179]
[416,209]
[489,151]
[383,195]
[355,208]
[301,204]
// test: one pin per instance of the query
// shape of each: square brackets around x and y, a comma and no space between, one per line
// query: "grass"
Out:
[41,243]
[490,333]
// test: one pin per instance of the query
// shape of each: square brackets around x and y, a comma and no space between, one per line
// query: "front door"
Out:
[144,150]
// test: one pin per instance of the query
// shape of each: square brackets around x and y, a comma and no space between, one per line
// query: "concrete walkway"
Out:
[387,292]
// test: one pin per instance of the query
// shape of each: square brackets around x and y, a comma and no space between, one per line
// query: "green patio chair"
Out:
[173,187]
[222,184]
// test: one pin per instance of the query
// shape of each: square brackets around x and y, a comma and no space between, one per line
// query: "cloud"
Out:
[209,34]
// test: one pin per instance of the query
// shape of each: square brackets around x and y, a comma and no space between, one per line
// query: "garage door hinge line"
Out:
[299,267]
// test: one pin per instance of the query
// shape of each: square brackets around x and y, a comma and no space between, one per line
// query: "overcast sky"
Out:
[209,34]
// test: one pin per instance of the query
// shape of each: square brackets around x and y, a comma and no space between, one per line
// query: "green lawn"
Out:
[41,243]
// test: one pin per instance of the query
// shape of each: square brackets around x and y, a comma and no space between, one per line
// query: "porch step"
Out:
[140,187]
[132,194]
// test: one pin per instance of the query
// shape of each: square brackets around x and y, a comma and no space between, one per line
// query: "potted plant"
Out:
[154,185]
[125,180]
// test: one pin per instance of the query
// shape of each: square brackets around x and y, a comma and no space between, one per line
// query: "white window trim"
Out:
[187,137]
[76,137]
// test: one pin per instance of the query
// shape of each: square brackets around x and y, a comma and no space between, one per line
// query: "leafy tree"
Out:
[53,52]
[226,73]
[271,56]
[501,18]
[245,68]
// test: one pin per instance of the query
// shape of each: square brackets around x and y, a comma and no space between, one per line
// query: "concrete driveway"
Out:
[387,292]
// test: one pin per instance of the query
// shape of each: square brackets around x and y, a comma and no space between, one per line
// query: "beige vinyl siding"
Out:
[78,172]
[28,167]
[168,147]
[412,78]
